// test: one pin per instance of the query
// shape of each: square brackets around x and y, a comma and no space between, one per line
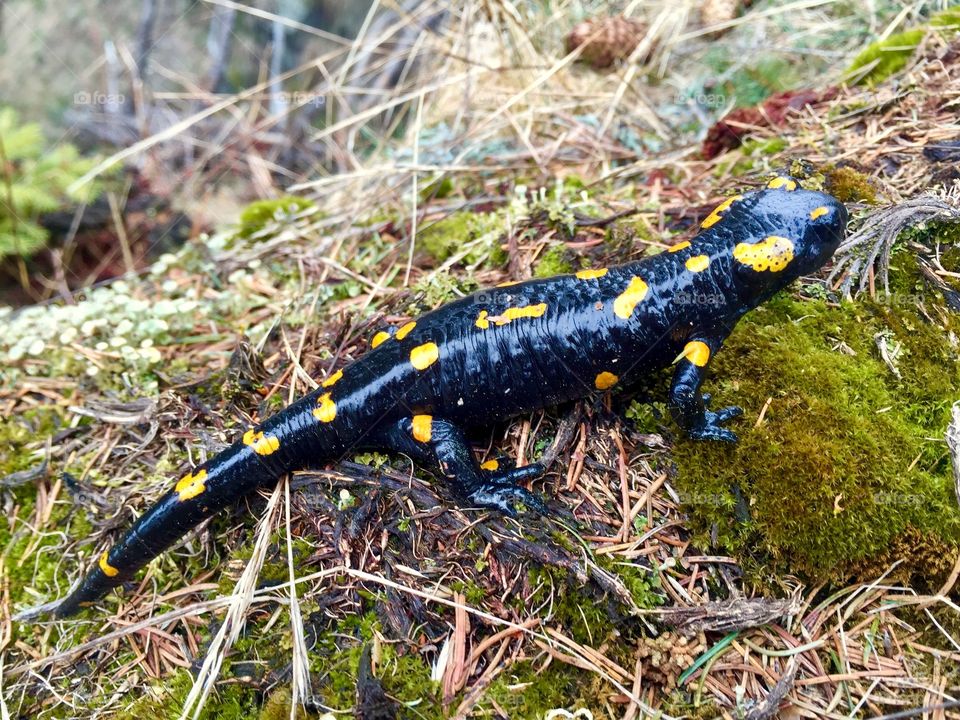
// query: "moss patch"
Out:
[260,214]
[557,260]
[849,185]
[888,57]
[474,235]
[848,470]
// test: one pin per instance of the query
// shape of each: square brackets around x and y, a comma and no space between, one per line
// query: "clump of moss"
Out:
[526,691]
[849,185]
[556,260]
[258,215]
[478,234]
[848,464]
[277,706]
[441,288]
[227,702]
[405,677]
[889,56]
[886,57]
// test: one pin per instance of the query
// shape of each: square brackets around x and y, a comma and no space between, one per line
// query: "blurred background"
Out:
[130,127]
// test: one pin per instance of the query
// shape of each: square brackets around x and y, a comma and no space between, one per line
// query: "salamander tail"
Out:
[226,478]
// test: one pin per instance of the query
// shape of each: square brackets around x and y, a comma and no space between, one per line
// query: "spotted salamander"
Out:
[507,351]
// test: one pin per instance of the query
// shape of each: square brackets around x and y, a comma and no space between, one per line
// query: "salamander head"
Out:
[776,235]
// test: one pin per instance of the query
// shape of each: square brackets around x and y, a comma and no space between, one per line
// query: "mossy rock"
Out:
[848,470]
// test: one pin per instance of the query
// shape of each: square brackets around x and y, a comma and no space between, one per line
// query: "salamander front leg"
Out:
[688,405]
[424,437]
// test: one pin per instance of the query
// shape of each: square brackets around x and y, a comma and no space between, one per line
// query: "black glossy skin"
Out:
[481,374]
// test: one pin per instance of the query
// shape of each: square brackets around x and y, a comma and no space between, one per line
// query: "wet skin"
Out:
[507,351]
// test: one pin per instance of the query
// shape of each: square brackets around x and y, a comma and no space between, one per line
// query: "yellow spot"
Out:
[108,569]
[191,485]
[627,301]
[605,380]
[330,381]
[819,212]
[516,313]
[422,428]
[509,315]
[591,274]
[405,330]
[508,283]
[782,182]
[679,246]
[423,356]
[697,263]
[326,409]
[772,254]
[380,338]
[490,465]
[715,217]
[696,352]
[261,444]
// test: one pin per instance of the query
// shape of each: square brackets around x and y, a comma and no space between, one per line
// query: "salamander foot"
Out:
[500,491]
[711,428]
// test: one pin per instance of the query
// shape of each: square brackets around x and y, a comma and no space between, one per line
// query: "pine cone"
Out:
[613,38]
[714,12]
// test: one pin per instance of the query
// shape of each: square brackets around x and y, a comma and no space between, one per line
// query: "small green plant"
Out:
[34,181]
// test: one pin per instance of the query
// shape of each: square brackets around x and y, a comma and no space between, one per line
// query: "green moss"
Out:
[437,290]
[277,706]
[848,464]
[405,677]
[526,691]
[474,235]
[262,213]
[556,260]
[229,701]
[892,54]
[886,57]
[849,185]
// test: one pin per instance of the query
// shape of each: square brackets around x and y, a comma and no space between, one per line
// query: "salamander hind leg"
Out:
[426,438]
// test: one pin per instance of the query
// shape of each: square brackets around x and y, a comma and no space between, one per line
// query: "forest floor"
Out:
[810,571]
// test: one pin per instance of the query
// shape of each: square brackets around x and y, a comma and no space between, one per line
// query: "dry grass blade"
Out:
[236,613]
[300,675]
